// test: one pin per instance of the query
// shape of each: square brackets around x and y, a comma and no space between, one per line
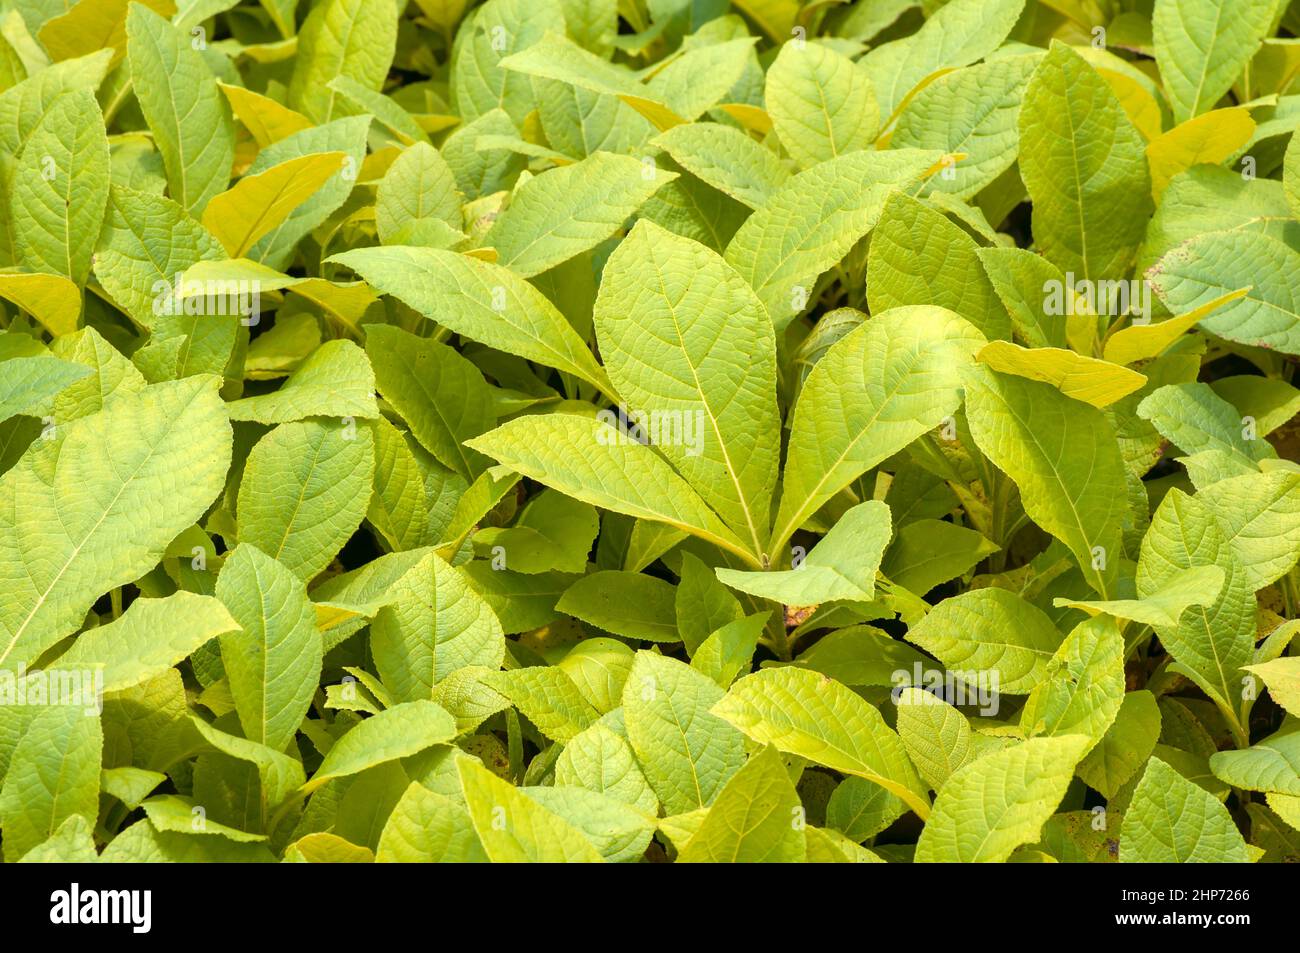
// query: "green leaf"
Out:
[1212,642]
[334,381]
[920,257]
[514,828]
[30,382]
[71,843]
[148,639]
[482,301]
[428,828]
[590,460]
[304,492]
[77,532]
[1081,159]
[1271,765]
[630,604]
[755,819]
[279,775]
[434,623]
[958,33]
[991,629]
[1172,820]
[841,566]
[852,414]
[814,219]
[53,775]
[147,241]
[668,362]
[929,552]
[685,752]
[189,117]
[997,803]
[274,664]
[59,188]
[416,197]
[1062,455]
[619,833]
[601,760]
[548,697]
[821,103]
[1211,265]
[935,735]
[256,204]
[1125,747]
[726,159]
[352,38]
[1282,677]
[396,732]
[553,217]
[1084,687]
[972,112]
[1202,46]
[1087,379]
[807,714]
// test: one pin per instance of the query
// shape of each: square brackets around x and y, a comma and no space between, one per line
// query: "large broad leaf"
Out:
[1202,46]
[1211,265]
[440,394]
[805,713]
[997,803]
[179,98]
[396,732]
[726,159]
[53,774]
[1063,456]
[821,103]
[335,381]
[936,736]
[434,624]
[1084,687]
[754,820]
[71,510]
[683,337]
[352,38]
[958,33]
[564,212]
[485,302]
[841,566]
[993,630]
[59,189]
[686,753]
[1272,765]
[1211,642]
[258,203]
[593,461]
[304,492]
[274,663]
[814,219]
[147,241]
[429,828]
[514,828]
[919,257]
[1081,159]
[1172,820]
[148,639]
[30,382]
[874,392]
[973,113]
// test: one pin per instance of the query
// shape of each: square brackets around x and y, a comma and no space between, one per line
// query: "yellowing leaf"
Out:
[1093,381]
[1212,138]
[258,203]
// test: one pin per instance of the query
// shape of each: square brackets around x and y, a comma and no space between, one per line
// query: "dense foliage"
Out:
[649,430]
